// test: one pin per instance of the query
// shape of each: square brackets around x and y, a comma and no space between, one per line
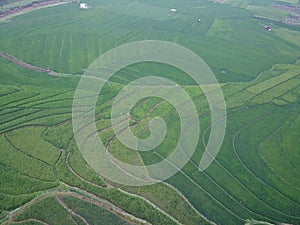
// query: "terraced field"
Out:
[286,11]
[255,177]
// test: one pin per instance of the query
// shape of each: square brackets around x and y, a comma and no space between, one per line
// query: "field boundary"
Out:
[8,14]
[28,66]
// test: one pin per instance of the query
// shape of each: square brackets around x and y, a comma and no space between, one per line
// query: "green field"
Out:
[270,10]
[67,209]
[253,180]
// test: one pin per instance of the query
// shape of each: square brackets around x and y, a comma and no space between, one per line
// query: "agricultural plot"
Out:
[93,213]
[71,45]
[285,11]
[67,210]
[29,141]
[255,175]
[43,211]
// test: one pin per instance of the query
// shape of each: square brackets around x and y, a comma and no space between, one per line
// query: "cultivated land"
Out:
[255,177]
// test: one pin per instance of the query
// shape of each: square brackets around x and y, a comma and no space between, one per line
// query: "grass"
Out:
[220,29]
[82,168]
[290,142]
[263,86]
[277,90]
[25,164]
[73,37]
[168,199]
[29,140]
[66,209]
[48,209]
[30,222]
[272,150]
[266,10]
[255,173]
[11,202]
[59,135]
[252,160]
[93,213]
[13,183]
[132,204]
[291,36]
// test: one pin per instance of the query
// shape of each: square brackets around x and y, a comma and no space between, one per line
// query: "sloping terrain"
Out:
[44,178]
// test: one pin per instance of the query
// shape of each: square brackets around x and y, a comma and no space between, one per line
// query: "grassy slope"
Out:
[74,38]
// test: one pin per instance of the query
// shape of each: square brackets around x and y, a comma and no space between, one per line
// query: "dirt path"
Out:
[98,201]
[79,194]
[31,220]
[71,211]
[28,66]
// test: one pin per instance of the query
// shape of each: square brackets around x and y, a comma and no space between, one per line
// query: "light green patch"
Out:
[268,12]
[220,29]
[289,97]
[7,89]
[172,201]
[265,85]
[291,143]
[59,135]
[288,35]
[23,163]
[29,141]
[256,222]
[126,155]
[238,3]
[277,90]
[279,102]
[274,154]
[48,209]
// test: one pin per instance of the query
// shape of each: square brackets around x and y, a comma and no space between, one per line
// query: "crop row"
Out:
[29,140]
[25,164]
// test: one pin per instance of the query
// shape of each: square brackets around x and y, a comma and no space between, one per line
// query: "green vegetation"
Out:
[48,209]
[254,177]
[71,45]
[93,213]
[11,4]
[278,10]
[25,164]
[66,209]
[220,29]
[168,199]
[29,141]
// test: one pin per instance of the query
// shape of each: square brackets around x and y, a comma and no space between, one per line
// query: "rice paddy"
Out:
[254,178]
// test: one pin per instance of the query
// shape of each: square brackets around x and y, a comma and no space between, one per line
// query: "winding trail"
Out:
[36,68]
[79,194]
[28,66]
[32,220]
[71,211]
